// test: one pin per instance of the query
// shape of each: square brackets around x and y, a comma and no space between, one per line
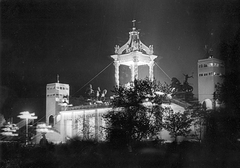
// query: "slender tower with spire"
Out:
[133,54]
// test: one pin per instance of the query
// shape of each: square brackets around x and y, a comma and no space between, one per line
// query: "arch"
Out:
[51,120]
[207,103]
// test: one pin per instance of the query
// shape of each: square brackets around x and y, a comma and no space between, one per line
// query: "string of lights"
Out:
[163,72]
[93,77]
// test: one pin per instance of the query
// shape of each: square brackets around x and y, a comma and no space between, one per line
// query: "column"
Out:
[134,71]
[85,131]
[96,125]
[150,65]
[73,125]
[62,128]
[116,64]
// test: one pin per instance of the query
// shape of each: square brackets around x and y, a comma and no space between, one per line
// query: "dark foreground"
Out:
[144,154]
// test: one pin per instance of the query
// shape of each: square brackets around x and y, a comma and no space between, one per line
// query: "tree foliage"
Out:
[227,119]
[136,112]
[177,123]
[2,120]
[201,116]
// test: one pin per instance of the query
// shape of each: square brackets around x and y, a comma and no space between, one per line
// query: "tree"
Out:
[201,116]
[177,123]
[136,112]
[228,93]
[2,120]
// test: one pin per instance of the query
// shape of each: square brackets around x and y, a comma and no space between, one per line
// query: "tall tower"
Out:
[133,54]
[210,73]
[56,93]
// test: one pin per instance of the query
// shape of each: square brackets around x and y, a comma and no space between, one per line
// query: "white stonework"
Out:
[133,54]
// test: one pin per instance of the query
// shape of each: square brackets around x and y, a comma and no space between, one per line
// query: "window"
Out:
[217,74]
[210,64]
[51,120]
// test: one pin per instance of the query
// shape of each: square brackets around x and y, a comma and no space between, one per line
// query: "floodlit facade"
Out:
[86,122]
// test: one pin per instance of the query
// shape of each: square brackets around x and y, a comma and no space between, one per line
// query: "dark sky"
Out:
[75,38]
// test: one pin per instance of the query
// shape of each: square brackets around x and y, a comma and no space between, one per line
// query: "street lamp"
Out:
[27,116]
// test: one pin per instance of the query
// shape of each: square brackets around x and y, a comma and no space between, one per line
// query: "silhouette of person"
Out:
[43,141]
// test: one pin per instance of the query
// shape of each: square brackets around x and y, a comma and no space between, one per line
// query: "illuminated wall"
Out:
[83,123]
[89,124]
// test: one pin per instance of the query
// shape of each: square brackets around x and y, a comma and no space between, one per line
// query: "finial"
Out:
[134,25]
[57,78]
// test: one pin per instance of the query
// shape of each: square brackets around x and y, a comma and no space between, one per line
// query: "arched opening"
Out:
[51,120]
[207,104]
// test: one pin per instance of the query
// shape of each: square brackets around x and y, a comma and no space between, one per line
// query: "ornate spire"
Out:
[134,43]
[134,24]
[57,78]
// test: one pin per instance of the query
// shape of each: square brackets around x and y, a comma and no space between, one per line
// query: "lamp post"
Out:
[27,116]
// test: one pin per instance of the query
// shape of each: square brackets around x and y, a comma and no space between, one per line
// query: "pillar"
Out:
[150,65]
[116,64]
[134,71]
[62,128]
[73,125]
[96,125]
[85,129]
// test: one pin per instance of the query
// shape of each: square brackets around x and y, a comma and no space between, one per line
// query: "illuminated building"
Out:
[210,72]
[86,121]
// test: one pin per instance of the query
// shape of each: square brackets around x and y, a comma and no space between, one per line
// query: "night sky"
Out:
[75,38]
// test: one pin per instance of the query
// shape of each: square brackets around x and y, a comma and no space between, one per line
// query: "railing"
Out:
[93,106]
